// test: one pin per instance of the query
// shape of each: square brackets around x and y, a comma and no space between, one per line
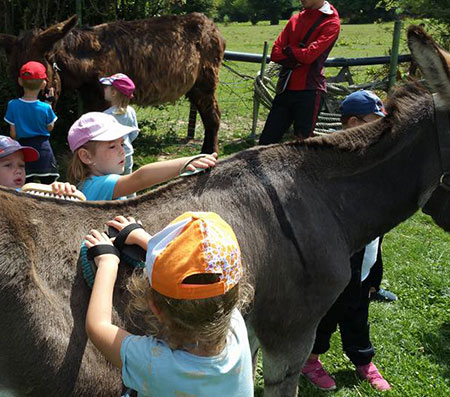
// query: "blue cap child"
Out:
[361,107]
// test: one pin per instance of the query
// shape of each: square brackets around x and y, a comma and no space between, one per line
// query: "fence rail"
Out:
[330,62]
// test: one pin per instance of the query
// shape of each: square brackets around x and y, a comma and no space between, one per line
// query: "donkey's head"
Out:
[37,45]
[434,63]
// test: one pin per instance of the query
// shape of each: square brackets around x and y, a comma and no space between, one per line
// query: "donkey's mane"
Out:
[404,104]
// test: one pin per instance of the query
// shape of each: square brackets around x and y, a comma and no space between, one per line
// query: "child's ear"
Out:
[19,80]
[353,122]
[84,156]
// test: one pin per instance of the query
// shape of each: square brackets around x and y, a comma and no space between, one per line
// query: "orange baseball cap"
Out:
[194,243]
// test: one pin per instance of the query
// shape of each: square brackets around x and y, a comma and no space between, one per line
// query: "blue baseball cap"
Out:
[361,103]
[9,146]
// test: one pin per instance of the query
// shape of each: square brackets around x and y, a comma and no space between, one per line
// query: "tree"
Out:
[362,11]
[269,9]
[437,10]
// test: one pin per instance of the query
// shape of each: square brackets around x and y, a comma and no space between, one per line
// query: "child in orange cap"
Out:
[189,293]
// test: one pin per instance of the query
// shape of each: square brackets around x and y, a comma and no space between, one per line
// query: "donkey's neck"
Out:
[373,190]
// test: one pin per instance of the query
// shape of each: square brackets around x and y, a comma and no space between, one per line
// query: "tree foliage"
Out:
[438,11]
[19,15]
[363,11]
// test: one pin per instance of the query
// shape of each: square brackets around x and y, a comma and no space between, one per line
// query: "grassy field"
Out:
[412,335]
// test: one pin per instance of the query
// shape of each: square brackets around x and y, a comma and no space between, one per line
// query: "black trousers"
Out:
[351,312]
[298,107]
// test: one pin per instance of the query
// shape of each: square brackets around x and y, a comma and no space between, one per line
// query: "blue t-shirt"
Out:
[30,118]
[152,369]
[97,188]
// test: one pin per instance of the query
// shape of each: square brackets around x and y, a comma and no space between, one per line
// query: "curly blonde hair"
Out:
[204,323]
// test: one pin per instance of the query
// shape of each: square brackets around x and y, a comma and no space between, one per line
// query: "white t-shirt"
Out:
[129,119]
[370,257]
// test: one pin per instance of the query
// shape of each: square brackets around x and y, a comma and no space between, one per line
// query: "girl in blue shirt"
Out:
[189,293]
[96,141]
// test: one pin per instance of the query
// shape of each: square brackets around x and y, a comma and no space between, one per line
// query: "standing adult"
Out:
[303,46]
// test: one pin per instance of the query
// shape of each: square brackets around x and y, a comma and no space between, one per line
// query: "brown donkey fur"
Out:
[167,57]
[299,211]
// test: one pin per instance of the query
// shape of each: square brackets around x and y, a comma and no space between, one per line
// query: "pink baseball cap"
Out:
[121,82]
[96,126]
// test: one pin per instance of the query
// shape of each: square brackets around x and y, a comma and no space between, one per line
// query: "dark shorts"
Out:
[46,165]
[298,107]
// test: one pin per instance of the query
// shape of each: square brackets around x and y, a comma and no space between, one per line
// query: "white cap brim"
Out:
[111,135]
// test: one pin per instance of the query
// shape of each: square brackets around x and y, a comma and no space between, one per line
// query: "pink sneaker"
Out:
[314,372]
[370,372]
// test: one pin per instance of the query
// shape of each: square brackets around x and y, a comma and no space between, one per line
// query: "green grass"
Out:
[412,335]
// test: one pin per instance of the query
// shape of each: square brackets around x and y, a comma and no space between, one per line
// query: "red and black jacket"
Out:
[308,75]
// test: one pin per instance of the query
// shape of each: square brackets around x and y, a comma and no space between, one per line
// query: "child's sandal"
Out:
[184,172]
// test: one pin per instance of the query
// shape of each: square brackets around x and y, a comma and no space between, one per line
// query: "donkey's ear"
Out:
[434,62]
[7,41]
[54,33]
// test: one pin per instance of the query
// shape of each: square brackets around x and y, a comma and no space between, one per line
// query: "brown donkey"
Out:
[299,212]
[167,57]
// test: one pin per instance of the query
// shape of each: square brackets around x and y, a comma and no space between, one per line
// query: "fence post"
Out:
[255,97]
[394,54]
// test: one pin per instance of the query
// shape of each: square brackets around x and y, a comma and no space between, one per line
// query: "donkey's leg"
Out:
[203,96]
[282,367]
[254,346]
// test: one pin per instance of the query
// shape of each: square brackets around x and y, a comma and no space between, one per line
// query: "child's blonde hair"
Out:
[203,323]
[77,171]
[120,101]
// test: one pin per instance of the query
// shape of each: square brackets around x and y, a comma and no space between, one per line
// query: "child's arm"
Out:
[50,127]
[154,173]
[12,131]
[106,336]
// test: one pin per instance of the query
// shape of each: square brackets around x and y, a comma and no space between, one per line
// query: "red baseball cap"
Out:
[33,71]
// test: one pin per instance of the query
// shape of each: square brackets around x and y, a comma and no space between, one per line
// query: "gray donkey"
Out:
[298,210]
